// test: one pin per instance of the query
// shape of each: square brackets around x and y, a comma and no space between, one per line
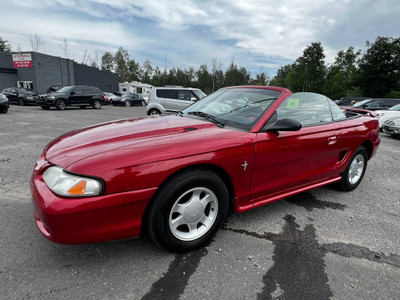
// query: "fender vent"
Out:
[190,129]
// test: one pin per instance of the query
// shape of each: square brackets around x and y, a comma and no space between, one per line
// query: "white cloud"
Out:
[192,32]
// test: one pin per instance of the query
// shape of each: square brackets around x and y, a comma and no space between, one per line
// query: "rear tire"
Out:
[355,170]
[96,104]
[127,103]
[21,102]
[4,110]
[187,210]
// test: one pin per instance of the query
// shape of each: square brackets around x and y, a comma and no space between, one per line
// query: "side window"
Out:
[91,91]
[307,108]
[171,94]
[390,102]
[78,91]
[373,103]
[184,95]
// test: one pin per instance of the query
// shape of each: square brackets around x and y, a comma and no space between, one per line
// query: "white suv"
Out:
[172,99]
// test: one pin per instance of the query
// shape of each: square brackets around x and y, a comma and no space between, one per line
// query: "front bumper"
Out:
[87,219]
[45,102]
[391,129]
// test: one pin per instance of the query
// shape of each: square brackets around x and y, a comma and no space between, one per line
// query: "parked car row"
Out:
[61,97]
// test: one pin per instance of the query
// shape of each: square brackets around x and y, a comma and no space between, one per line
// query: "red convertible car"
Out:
[175,177]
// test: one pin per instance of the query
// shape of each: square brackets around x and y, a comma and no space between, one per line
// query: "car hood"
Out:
[148,139]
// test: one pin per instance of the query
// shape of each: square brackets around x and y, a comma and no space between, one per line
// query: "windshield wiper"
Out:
[207,117]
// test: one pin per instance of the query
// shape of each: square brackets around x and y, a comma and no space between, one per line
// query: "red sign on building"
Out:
[23,60]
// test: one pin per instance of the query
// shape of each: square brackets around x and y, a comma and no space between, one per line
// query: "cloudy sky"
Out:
[261,35]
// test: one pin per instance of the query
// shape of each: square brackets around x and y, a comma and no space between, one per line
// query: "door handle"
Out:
[332,140]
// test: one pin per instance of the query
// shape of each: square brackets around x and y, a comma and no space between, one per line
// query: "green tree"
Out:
[379,68]
[121,60]
[236,76]
[308,72]
[204,79]
[134,71]
[341,75]
[281,74]
[261,79]
[107,62]
[147,72]
[4,46]
[158,77]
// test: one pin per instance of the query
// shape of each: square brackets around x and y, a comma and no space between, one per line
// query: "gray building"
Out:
[40,71]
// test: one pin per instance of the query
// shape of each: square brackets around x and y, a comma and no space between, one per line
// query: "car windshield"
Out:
[199,94]
[65,89]
[361,103]
[235,107]
[396,107]
[23,91]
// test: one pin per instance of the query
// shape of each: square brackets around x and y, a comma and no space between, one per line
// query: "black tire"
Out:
[197,200]
[21,102]
[45,107]
[154,112]
[82,106]
[4,110]
[60,105]
[143,103]
[96,104]
[355,170]
[127,103]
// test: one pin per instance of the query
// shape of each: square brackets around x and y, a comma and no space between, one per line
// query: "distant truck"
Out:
[134,87]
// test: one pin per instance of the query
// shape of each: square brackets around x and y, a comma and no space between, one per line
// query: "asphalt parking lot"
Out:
[321,244]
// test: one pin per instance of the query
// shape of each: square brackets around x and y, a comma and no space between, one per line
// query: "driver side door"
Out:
[288,160]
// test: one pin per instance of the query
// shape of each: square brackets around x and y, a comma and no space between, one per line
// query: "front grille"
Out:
[389,123]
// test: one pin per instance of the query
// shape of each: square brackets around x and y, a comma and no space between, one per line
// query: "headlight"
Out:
[29,98]
[380,115]
[68,185]
[51,97]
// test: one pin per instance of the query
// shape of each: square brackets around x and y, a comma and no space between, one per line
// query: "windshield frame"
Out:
[236,117]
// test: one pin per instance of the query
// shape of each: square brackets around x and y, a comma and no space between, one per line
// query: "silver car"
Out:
[163,100]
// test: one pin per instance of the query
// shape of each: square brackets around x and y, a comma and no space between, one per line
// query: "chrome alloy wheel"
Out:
[193,214]
[356,169]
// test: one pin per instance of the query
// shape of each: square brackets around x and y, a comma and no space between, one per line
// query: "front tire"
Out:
[154,112]
[127,103]
[187,211]
[60,105]
[45,107]
[355,170]
[21,102]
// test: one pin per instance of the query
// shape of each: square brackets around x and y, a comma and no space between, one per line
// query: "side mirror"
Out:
[73,93]
[193,99]
[285,124]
